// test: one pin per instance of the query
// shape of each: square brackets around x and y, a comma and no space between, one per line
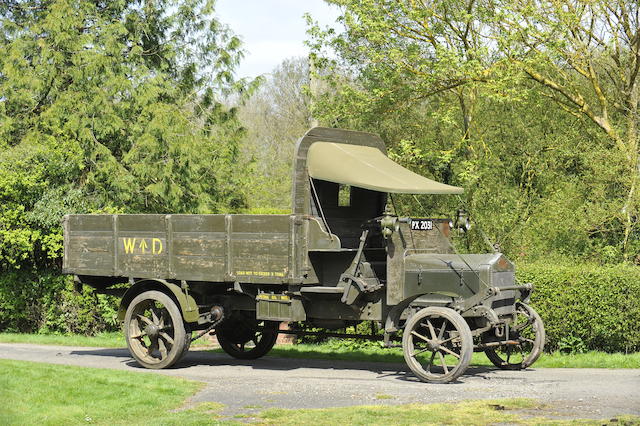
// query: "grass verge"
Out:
[101,340]
[332,351]
[37,393]
[487,412]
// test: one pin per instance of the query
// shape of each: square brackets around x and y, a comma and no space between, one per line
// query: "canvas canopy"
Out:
[368,167]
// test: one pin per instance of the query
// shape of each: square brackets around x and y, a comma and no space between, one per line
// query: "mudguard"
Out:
[187,304]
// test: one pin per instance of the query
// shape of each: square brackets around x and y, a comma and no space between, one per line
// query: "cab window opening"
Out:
[344,195]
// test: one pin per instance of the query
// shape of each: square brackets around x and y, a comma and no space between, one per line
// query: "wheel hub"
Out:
[152,330]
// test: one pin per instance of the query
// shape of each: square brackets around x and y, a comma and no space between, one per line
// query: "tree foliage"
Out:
[112,106]
[275,116]
[531,106]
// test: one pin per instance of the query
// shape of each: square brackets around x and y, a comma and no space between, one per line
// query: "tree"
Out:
[276,116]
[112,106]
[586,55]
[437,78]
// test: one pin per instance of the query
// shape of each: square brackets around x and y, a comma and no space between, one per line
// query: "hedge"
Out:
[587,307]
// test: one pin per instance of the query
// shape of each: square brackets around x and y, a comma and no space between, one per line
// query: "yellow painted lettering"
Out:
[156,246]
[129,245]
[143,245]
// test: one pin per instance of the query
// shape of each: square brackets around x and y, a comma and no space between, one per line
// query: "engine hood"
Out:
[496,262]
[456,276]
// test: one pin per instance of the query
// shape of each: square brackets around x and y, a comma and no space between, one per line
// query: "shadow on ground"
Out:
[202,358]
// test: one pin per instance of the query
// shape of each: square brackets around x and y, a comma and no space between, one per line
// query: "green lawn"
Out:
[37,393]
[335,352]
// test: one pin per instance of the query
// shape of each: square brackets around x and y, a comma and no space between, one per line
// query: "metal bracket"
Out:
[360,284]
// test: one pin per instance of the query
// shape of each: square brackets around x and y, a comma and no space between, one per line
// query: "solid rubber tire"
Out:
[466,350]
[180,336]
[535,352]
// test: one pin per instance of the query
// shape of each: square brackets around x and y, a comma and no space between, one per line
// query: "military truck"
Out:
[340,258]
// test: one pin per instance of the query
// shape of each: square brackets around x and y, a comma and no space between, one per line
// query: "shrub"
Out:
[46,302]
[587,307]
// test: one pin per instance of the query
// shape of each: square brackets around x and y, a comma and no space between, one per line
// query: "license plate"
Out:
[421,224]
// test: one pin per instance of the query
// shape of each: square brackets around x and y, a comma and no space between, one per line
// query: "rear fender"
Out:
[186,303]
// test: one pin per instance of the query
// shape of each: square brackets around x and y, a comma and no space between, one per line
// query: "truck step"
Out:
[322,289]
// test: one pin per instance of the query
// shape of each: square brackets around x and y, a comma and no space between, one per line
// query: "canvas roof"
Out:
[368,167]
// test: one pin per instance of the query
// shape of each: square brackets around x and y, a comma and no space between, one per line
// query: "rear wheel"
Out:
[437,344]
[243,337]
[528,331]
[155,332]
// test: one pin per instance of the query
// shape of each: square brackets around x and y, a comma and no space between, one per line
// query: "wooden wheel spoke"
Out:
[153,346]
[444,363]
[163,349]
[442,342]
[441,333]
[161,320]
[420,351]
[433,356]
[449,351]
[144,319]
[431,330]
[415,333]
[166,327]
[154,315]
[167,338]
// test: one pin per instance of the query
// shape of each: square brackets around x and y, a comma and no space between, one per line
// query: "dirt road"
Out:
[304,383]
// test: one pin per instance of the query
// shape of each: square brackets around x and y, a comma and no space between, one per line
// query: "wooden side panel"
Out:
[88,244]
[141,246]
[259,248]
[198,247]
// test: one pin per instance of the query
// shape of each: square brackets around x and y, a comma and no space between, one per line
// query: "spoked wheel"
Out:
[156,334]
[243,337]
[437,344]
[528,330]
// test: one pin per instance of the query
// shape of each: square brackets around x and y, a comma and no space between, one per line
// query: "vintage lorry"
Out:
[340,258]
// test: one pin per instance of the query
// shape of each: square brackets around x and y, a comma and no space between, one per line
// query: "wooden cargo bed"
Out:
[217,248]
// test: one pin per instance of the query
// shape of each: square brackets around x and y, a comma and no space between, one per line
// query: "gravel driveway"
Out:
[246,387]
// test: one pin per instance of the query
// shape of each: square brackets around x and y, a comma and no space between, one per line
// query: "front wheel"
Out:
[154,329]
[437,344]
[528,331]
[243,337]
